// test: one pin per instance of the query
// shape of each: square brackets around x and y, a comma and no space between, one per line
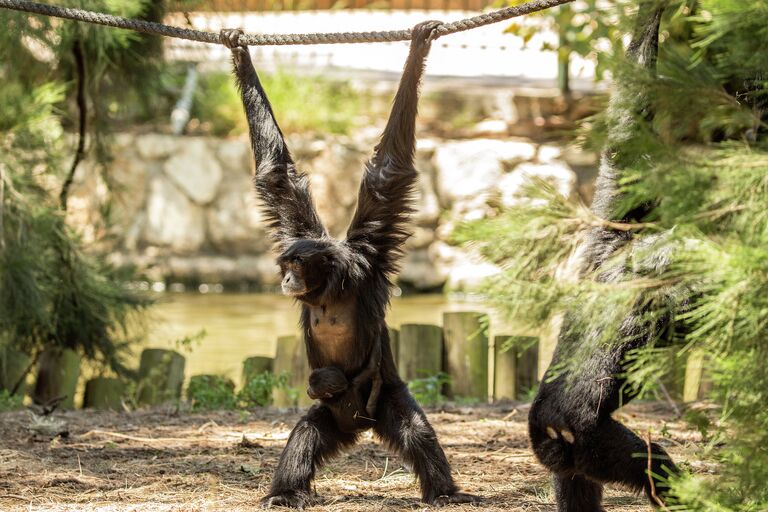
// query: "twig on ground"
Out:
[655,496]
[510,415]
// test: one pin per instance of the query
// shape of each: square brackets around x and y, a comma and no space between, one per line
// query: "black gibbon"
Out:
[344,290]
[570,423]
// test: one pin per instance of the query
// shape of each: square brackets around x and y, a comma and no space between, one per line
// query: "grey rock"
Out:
[195,170]
[335,177]
[472,168]
[155,146]
[173,221]
[235,223]
[420,271]
[421,238]
[468,272]
[234,155]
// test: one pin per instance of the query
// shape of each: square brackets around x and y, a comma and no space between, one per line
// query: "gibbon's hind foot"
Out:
[457,497]
[290,499]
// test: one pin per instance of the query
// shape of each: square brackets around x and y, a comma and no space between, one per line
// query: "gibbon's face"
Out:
[305,268]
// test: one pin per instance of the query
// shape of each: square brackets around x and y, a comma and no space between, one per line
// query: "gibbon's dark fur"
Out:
[344,288]
[570,423]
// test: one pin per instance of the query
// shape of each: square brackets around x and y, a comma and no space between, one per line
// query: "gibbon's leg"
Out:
[314,439]
[402,425]
[574,434]
[612,453]
[575,493]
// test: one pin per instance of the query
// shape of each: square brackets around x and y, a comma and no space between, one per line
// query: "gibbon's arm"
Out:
[284,190]
[384,203]
[630,107]
[629,113]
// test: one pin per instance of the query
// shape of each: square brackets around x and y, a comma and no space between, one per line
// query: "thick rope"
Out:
[149,27]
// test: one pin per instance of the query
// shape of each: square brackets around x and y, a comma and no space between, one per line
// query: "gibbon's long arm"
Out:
[378,228]
[283,189]
[630,107]
[629,114]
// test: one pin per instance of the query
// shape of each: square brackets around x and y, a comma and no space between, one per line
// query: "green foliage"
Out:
[428,390]
[301,103]
[52,292]
[9,402]
[189,343]
[589,28]
[211,392]
[257,392]
[702,253]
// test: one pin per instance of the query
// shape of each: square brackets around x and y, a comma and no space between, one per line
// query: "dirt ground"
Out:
[162,460]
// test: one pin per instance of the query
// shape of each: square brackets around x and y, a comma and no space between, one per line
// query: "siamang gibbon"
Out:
[570,424]
[343,287]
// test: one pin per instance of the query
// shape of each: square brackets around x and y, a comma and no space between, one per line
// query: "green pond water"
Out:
[238,326]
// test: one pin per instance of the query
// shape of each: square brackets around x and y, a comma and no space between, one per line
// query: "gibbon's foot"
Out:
[289,499]
[230,37]
[425,32]
[457,497]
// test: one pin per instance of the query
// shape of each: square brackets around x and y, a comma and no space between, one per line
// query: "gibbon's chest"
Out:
[333,332]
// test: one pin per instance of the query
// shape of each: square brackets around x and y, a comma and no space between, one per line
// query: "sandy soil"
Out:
[161,460]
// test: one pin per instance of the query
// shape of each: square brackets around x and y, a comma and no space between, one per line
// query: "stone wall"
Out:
[183,208]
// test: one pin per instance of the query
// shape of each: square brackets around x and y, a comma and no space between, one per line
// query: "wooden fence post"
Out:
[58,371]
[254,366]
[420,351]
[466,347]
[104,393]
[291,357]
[527,353]
[694,386]
[161,376]
[394,342]
[504,368]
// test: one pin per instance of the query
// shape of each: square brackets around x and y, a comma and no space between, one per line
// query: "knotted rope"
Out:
[149,27]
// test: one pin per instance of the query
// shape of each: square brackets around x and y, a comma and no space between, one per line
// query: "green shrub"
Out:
[257,392]
[301,103]
[428,390]
[9,402]
[207,392]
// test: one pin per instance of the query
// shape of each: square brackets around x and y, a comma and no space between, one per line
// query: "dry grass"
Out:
[160,461]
